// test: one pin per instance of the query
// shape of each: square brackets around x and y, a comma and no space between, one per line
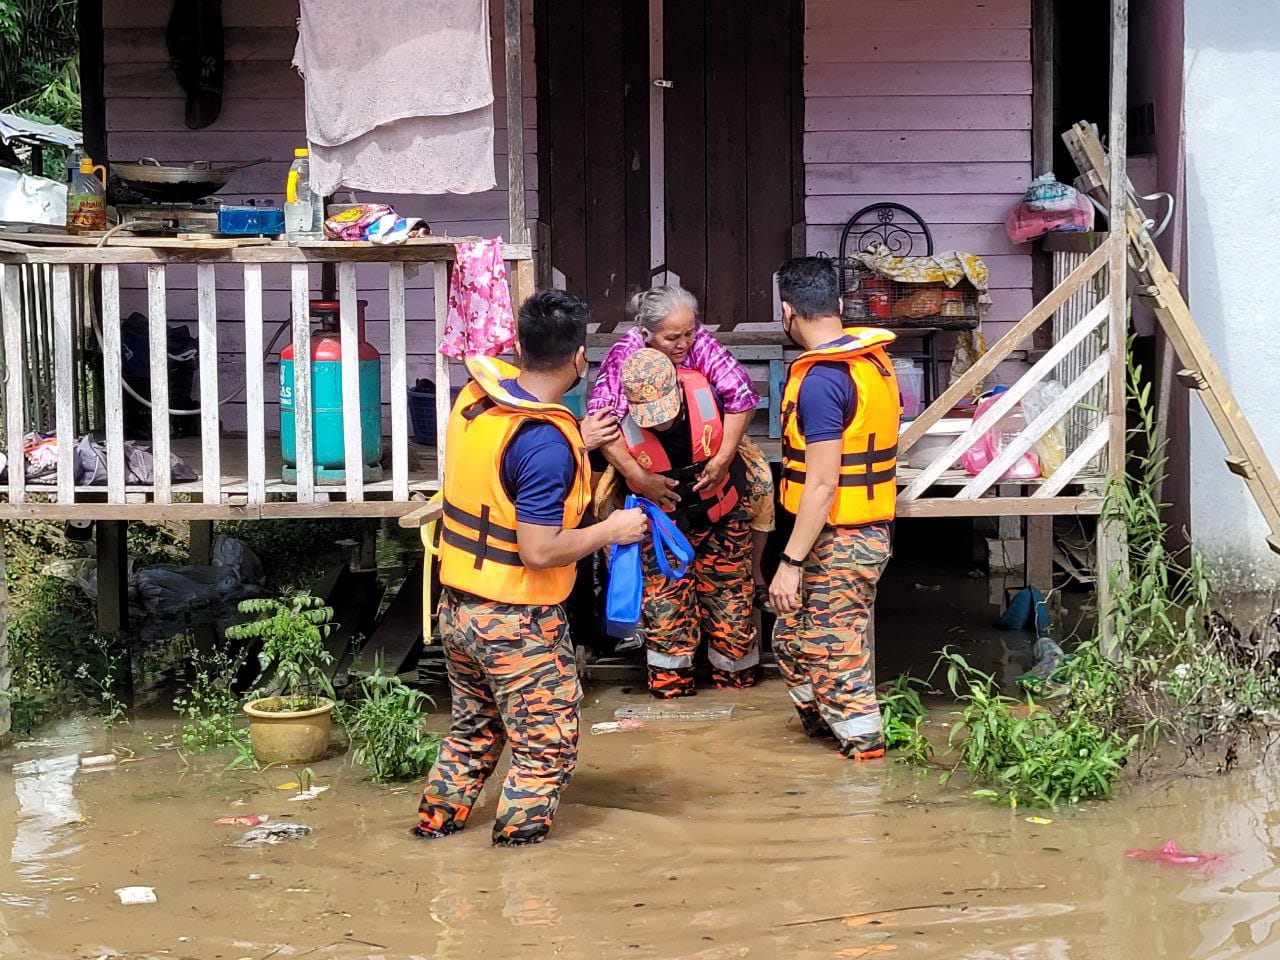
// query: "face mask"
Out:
[581,376]
[786,332]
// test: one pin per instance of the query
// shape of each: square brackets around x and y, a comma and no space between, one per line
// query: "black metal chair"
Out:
[904,233]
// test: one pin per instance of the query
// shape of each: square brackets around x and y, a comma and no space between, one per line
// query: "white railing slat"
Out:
[348,316]
[255,409]
[112,383]
[1036,429]
[15,376]
[210,440]
[304,449]
[1093,444]
[64,386]
[1006,402]
[443,395]
[399,384]
[158,345]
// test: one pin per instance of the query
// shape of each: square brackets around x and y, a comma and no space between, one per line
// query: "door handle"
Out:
[664,84]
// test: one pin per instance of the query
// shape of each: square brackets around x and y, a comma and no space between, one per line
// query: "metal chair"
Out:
[905,234]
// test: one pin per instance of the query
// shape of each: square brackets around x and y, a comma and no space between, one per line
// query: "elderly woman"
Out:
[667,321]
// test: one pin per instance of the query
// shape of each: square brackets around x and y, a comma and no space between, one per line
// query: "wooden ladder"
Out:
[1159,288]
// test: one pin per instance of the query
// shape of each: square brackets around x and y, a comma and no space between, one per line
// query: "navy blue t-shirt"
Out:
[537,468]
[827,400]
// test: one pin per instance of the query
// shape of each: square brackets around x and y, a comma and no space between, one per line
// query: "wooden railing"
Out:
[235,472]
[1092,333]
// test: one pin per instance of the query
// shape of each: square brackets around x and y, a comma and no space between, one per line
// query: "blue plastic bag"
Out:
[624,599]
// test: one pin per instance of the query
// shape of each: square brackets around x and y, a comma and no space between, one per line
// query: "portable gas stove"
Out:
[170,219]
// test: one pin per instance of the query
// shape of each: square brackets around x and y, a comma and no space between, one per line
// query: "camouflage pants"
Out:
[513,678]
[824,649]
[712,600]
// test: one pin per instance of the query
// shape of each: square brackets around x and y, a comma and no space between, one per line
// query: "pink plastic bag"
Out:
[1170,854]
[989,446]
[1049,207]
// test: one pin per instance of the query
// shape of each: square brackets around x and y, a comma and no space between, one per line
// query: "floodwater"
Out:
[702,841]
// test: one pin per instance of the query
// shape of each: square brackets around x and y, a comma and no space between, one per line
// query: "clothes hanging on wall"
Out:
[400,101]
[480,320]
[196,51]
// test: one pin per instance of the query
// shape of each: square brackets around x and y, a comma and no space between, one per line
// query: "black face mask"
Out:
[581,376]
[786,332]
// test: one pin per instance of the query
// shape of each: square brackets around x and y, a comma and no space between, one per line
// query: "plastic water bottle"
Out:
[303,210]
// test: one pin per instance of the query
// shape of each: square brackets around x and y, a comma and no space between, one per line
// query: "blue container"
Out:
[422,412]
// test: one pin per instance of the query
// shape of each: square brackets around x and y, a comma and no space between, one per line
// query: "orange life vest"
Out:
[868,490]
[478,549]
[706,433]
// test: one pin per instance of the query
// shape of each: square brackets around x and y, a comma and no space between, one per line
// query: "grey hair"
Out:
[650,307]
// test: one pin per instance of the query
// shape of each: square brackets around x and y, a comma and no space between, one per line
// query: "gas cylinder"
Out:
[326,400]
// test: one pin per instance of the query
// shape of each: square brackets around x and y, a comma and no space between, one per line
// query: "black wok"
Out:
[176,183]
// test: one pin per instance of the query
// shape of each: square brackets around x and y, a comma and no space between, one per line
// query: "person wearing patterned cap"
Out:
[673,427]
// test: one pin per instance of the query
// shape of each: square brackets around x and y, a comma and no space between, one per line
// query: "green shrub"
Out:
[210,707]
[903,713]
[292,630]
[385,725]
[1036,758]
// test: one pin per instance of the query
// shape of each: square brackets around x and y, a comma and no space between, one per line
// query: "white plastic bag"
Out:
[28,199]
[1051,449]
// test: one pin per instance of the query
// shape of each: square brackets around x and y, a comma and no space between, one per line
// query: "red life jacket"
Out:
[706,433]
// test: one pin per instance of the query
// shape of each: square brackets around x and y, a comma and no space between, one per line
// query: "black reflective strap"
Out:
[491,553]
[846,460]
[483,405]
[866,479]
[472,522]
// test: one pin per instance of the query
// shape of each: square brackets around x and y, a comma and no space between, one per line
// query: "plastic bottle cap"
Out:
[86,165]
[300,151]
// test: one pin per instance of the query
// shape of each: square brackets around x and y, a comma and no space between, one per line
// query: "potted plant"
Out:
[291,725]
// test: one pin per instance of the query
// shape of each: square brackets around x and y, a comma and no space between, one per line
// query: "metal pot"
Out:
[176,183]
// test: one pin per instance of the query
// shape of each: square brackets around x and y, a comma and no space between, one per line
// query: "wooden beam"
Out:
[988,362]
[1001,507]
[511,29]
[201,550]
[1041,87]
[352,422]
[64,384]
[113,381]
[158,347]
[6,672]
[399,382]
[303,429]
[423,514]
[15,364]
[424,250]
[255,411]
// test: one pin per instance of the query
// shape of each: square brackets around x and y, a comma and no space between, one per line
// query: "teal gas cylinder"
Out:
[326,401]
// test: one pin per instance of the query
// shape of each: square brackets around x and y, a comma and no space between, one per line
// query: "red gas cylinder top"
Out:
[326,345]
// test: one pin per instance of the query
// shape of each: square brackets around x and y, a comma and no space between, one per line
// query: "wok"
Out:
[177,183]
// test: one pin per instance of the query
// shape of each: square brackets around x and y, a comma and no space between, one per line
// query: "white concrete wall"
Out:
[1232,72]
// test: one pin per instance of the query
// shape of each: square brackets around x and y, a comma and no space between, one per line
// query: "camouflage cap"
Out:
[651,387]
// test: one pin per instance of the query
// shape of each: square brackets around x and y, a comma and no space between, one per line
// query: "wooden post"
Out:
[1042,142]
[201,542]
[113,575]
[1112,550]
[518,226]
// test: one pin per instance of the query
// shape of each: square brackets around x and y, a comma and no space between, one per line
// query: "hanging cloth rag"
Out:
[480,320]
[196,52]
[401,100]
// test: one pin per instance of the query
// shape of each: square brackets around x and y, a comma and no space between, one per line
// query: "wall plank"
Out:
[907,78]
[990,112]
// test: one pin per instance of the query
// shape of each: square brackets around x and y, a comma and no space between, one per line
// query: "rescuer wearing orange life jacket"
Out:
[672,427]
[516,486]
[841,410]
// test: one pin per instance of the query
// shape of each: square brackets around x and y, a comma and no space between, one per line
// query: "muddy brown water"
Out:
[702,841]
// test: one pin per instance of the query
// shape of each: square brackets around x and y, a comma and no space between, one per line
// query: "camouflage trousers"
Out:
[513,679]
[824,649]
[712,600]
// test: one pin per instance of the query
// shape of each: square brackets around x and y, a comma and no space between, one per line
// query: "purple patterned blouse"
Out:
[728,377]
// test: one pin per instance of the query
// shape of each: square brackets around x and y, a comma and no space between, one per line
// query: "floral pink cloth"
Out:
[728,377]
[480,321]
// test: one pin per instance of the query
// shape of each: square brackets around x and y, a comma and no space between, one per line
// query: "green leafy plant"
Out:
[106,681]
[209,707]
[385,726]
[292,630]
[903,713]
[1020,752]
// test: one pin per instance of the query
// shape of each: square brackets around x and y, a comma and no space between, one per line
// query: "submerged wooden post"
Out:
[1112,556]
[6,672]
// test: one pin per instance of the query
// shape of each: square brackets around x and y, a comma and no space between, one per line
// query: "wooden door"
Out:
[718,213]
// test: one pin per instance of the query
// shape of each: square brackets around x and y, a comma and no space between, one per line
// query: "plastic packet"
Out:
[1051,449]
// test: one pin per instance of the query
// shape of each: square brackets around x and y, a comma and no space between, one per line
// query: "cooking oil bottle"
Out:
[87,197]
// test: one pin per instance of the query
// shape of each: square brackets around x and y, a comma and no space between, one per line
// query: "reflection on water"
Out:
[709,841]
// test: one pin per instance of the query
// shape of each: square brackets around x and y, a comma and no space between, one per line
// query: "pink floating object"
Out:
[250,821]
[1170,853]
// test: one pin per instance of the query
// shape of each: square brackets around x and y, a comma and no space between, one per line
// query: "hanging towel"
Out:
[451,154]
[480,320]
[399,95]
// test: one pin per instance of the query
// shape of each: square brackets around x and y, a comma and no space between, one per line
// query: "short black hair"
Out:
[811,286]
[552,327]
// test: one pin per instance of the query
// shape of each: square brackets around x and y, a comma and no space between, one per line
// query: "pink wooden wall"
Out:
[923,101]
[262,115]
[927,102]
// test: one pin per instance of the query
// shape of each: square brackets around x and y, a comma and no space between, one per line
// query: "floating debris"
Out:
[273,833]
[663,711]
[132,896]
